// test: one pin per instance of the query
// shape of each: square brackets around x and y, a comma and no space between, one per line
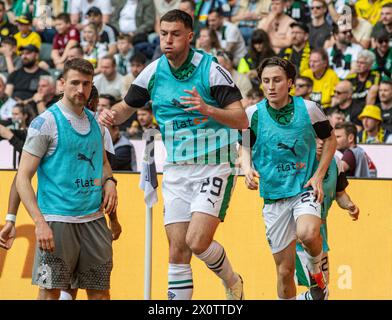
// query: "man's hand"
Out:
[115,227]
[44,235]
[7,235]
[107,117]
[316,183]
[251,177]
[110,199]
[196,101]
[353,211]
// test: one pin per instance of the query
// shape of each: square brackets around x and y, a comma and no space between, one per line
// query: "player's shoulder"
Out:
[219,76]
[145,76]
[43,124]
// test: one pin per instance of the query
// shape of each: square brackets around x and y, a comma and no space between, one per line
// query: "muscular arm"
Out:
[344,202]
[233,115]
[119,113]
[27,168]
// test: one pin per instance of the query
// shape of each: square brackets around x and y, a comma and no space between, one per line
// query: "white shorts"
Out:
[196,188]
[281,218]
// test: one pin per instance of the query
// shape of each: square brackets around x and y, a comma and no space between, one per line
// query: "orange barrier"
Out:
[360,256]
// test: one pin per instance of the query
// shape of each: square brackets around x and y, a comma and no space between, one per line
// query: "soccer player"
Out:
[195,102]
[282,148]
[334,185]
[74,244]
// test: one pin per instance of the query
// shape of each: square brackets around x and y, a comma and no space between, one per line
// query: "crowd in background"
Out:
[342,51]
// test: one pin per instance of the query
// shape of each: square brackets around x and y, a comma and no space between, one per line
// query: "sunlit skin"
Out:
[317,65]
[204,40]
[370,125]
[215,21]
[108,69]
[175,41]
[89,34]
[136,68]
[77,89]
[363,66]
[276,86]
[61,26]
[298,37]
[343,141]
[384,92]
[336,118]
[123,46]
[301,88]
[386,16]
[17,115]
[144,117]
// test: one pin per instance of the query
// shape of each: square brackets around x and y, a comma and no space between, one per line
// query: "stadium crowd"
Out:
[342,51]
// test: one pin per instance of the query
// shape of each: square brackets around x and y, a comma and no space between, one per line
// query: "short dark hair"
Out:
[178,15]
[191,2]
[386,81]
[80,65]
[65,17]
[387,5]
[10,40]
[332,110]
[79,48]
[286,65]
[112,100]
[322,53]
[138,57]
[225,54]
[300,25]
[349,128]
[109,57]
[125,36]
[2,3]
[309,82]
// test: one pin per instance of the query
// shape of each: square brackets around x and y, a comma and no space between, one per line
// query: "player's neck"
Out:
[280,104]
[179,61]
[77,110]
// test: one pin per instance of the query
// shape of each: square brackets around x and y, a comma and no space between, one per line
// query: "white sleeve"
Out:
[105,6]
[108,142]
[75,7]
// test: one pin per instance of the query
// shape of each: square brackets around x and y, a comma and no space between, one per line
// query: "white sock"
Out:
[64,295]
[217,261]
[313,263]
[180,282]
[304,296]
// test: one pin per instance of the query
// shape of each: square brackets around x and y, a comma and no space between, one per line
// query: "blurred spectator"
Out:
[7,29]
[75,52]
[66,37]
[17,132]
[385,95]
[361,28]
[229,35]
[335,116]
[323,77]
[248,16]
[299,51]
[205,7]
[9,60]
[254,95]
[109,81]
[370,9]
[26,36]
[105,101]
[137,17]
[163,6]
[92,48]
[138,62]
[344,102]
[303,87]
[383,54]
[372,131]
[298,10]
[319,29]
[225,59]
[259,49]
[107,33]
[145,120]
[79,8]
[23,83]
[277,25]
[125,52]
[355,161]
[365,81]
[124,158]
[385,23]
[208,41]
[189,7]
[46,94]
[6,102]
[343,54]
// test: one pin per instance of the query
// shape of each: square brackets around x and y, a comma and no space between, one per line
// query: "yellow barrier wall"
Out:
[360,256]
